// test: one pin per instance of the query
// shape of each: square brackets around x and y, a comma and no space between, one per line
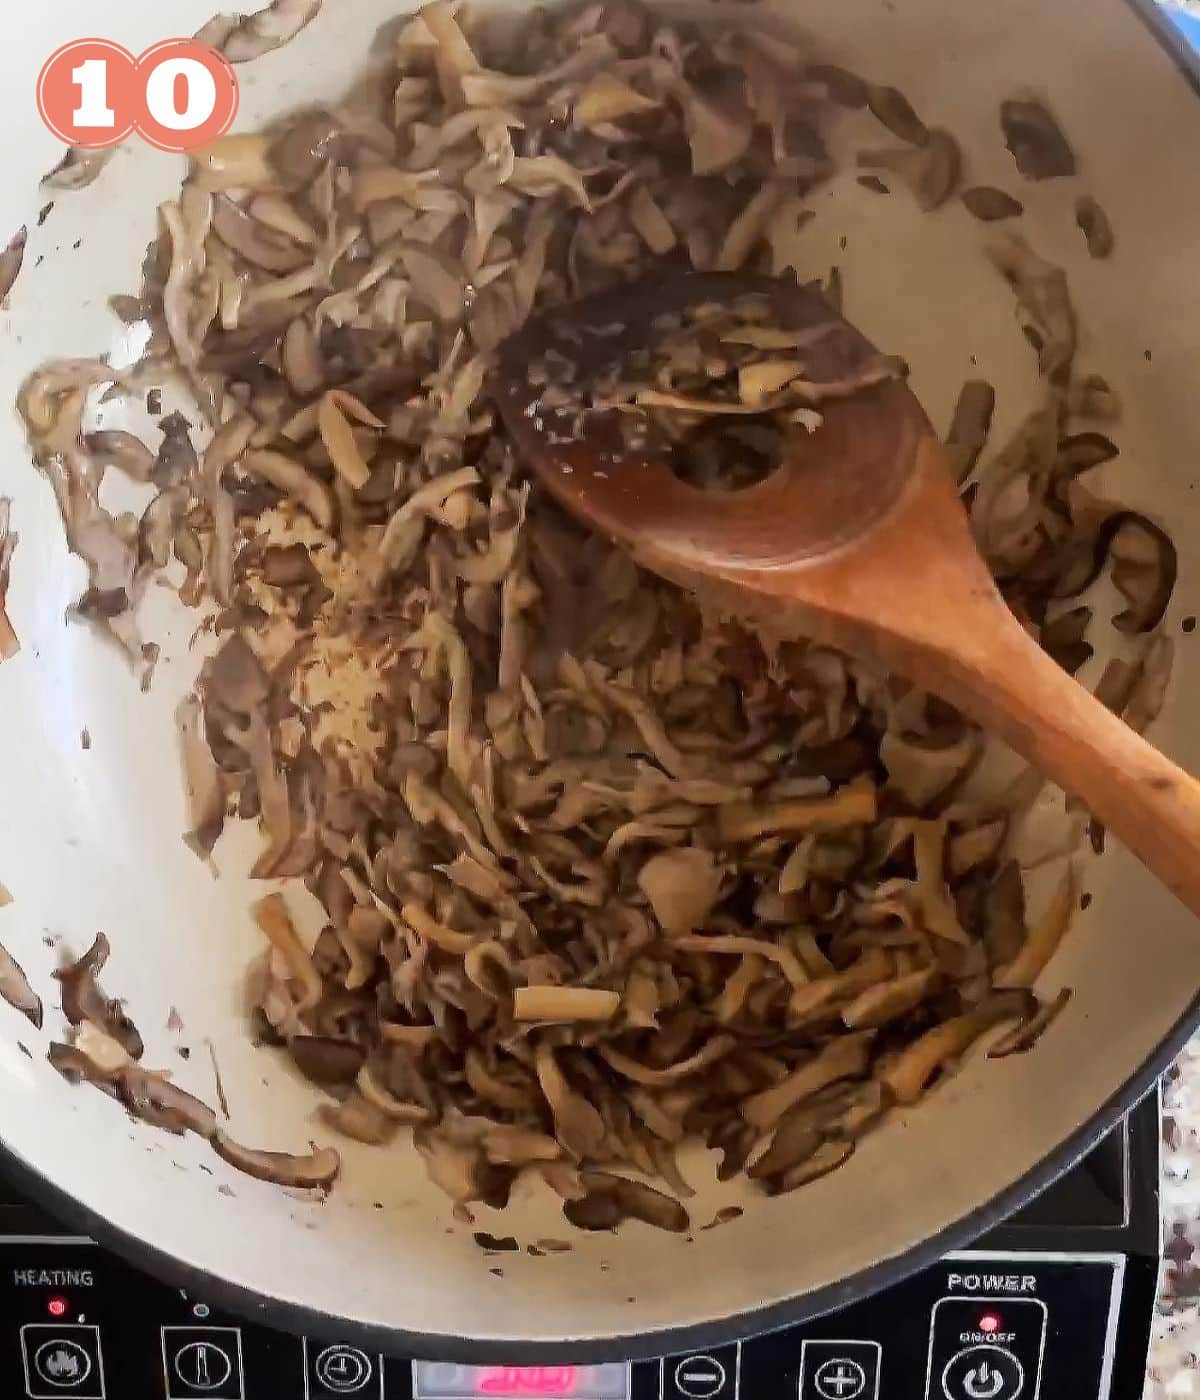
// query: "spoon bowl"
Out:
[833,484]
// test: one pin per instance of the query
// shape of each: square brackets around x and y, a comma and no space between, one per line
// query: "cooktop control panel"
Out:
[78,1324]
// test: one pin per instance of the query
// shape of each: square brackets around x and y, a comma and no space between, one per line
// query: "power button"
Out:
[986,1348]
[983,1373]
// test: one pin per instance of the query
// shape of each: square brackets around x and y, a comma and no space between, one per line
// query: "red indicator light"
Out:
[556,1381]
[57,1307]
[989,1322]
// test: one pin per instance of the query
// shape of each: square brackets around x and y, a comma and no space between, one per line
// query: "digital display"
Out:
[443,1380]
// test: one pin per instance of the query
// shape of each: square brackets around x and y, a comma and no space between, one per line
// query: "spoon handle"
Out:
[916,596]
[1001,677]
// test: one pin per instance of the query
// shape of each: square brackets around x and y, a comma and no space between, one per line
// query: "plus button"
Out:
[840,1379]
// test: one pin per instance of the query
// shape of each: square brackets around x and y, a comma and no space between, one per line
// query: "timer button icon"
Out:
[331,1372]
[343,1369]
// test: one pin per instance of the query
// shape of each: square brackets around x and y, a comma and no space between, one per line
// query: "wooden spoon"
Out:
[858,540]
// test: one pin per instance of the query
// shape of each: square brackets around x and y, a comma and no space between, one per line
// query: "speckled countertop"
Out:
[1174,1369]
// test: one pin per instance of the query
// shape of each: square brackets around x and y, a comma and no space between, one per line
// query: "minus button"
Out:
[703,1376]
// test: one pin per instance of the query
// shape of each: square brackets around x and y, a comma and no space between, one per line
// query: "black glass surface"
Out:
[1092,1194]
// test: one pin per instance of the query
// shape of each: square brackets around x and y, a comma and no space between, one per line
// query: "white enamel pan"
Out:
[90,838]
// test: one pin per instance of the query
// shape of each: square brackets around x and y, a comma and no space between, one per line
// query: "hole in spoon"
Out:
[715,388]
[729,457]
